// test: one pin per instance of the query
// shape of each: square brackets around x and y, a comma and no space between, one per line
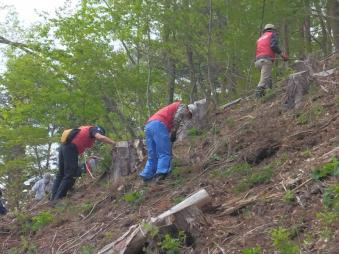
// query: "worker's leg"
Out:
[151,164]
[60,174]
[163,146]
[70,155]
[265,66]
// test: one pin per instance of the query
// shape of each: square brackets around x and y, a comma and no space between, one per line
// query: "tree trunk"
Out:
[113,107]
[333,14]
[307,26]
[171,72]
[189,54]
[212,93]
[324,41]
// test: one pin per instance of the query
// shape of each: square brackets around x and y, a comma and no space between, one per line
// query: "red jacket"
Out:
[263,48]
[83,139]
[166,114]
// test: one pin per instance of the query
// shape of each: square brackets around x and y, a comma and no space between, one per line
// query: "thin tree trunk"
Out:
[212,93]
[333,17]
[189,54]
[149,73]
[171,72]
[324,40]
[112,106]
[307,26]
[285,36]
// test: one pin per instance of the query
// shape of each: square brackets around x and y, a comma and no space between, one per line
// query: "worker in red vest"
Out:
[68,157]
[160,131]
[267,47]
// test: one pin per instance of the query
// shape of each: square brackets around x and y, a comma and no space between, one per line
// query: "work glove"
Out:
[284,56]
[173,137]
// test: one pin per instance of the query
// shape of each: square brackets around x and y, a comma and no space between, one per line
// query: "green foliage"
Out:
[150,229]
[86,249]
[178,199]
[25,246]
[289,196]
[280,238]
[307,153]
[310,114]
[134,197]
[252,250]
[327,218]
[330,168]
[194,132]
[40,220]
[331,197]
[28,224]
[172,245]
[263,175]
[240,169]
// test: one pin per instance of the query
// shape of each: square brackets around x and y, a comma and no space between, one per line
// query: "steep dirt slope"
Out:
[254,160]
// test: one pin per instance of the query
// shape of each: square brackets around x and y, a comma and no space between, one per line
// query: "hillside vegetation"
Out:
[272,174]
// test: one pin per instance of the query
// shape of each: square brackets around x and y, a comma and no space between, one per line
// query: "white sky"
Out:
[27,9]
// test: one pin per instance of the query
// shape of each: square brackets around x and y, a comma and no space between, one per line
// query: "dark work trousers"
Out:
[68,168]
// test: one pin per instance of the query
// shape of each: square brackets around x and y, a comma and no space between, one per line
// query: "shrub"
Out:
[133,196]
[172,245]
[289,196]
[330,168]
[261,176]
[86,249]
[280,238]
[193,132]
[40,220]
[252,250]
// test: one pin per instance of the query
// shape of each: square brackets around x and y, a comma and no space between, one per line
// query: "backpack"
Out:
[68,135]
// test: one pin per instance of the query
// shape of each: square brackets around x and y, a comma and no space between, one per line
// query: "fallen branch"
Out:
[227,105]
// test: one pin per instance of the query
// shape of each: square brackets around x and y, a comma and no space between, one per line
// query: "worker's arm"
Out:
[274,44]
[104,139]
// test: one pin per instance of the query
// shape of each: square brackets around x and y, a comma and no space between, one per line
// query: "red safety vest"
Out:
[263,48]
[83,139]
[166,114]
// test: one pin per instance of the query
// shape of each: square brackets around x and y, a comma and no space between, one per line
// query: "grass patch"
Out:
[194,132]
[289,196]
[310,114]
[327,169]
[261,176]
[134,197]
[239,169]
[252,250]
[281,241]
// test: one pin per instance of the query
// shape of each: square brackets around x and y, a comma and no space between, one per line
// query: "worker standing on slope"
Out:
[160,130]
[267,47]
[43,187]
[74,143]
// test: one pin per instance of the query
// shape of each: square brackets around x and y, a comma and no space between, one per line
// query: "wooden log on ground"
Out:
[185,216]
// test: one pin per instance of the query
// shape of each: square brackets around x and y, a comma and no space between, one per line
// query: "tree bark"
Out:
[333,14]
[324,39]
[307,26]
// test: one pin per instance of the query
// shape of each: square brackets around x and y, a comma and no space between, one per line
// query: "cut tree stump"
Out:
[126,158]
[198,121]
[297,86]
[184,216]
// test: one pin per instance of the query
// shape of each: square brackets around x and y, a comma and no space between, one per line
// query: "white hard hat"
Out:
[192,108]
[269,26]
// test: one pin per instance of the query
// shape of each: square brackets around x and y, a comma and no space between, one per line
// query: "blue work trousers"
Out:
[159,149]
